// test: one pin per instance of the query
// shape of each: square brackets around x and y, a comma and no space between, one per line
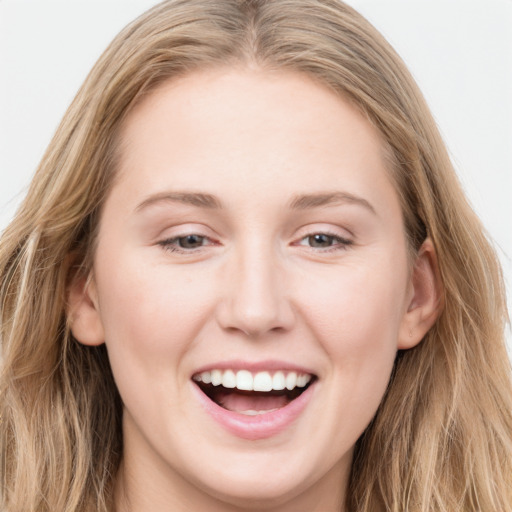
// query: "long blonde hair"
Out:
[442,437]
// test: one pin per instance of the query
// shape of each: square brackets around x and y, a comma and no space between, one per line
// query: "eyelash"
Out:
[340,243]
[172,244]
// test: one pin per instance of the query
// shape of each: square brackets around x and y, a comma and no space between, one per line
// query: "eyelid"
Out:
[342,241]
[181,229]
[169,238]
[171,244]
[324,228]
[327,233]
[334,227]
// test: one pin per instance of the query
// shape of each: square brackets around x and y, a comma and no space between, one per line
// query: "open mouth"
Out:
[252,393]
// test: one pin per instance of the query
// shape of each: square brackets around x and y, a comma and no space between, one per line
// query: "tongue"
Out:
[240,402]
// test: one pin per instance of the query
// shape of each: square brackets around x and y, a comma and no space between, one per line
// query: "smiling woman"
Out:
[245,278]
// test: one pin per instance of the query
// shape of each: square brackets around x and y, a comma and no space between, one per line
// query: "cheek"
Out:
[362,304]
[151,315]
[356,316]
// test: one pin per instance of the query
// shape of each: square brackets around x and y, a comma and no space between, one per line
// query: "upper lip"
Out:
[269,365]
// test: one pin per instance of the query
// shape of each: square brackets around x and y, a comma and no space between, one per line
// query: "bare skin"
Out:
[253,220]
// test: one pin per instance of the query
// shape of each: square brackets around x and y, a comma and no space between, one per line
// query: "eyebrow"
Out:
[307,201]
[193,198]
[301,202]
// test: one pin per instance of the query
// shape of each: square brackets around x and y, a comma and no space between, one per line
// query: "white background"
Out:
[460,52]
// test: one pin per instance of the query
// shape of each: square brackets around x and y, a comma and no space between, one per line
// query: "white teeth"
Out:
[305,380]
[244,380]
[278,381]
[302,380]
[291,380]
[206,377]
[252,412]
[229,379]
[262,382]
[216,377]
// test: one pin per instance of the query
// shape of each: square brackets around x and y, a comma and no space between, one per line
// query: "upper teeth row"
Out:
[244,380]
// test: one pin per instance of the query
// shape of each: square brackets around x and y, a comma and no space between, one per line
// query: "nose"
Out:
[255,299]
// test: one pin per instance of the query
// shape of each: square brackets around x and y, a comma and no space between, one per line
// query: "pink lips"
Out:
[260,426]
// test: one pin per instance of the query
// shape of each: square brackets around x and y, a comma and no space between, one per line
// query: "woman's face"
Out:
[253,238]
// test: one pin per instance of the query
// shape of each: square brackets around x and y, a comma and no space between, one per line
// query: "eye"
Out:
[190,241]
[185,243]
[324,241]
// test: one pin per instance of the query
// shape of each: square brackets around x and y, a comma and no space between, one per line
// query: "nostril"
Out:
[254,321]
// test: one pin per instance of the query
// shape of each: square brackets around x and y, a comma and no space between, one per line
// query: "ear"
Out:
[83,311]
[424,299]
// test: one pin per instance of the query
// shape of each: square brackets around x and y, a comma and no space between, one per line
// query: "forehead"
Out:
[240,129]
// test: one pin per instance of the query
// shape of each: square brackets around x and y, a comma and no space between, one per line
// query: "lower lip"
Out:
[257,427]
